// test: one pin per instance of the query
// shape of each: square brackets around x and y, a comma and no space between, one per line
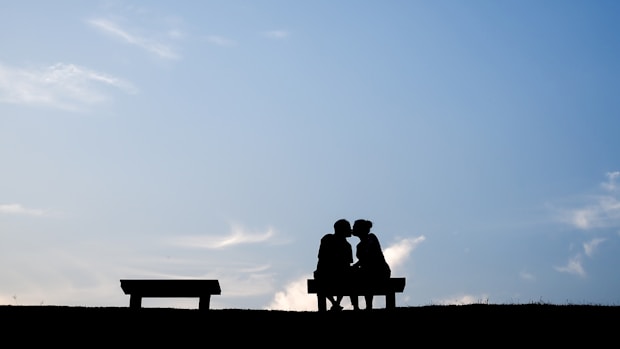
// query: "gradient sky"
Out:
[222,140]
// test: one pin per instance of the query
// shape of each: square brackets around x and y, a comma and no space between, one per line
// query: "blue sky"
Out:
[222,139]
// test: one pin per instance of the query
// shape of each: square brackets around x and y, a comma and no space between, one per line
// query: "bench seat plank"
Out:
[352,288]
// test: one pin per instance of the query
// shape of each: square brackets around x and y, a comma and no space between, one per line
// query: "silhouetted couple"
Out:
[335,260]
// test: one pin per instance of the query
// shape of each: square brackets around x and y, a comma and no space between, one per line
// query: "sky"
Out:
[222,139]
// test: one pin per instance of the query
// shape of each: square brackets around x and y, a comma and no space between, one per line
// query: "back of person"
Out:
[334,263]
[371,263]
[371,266]
[334,258]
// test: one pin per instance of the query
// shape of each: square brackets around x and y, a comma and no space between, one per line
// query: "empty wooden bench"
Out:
[170,288]
[387,289]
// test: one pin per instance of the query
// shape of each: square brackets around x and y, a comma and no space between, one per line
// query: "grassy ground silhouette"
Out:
[483,325]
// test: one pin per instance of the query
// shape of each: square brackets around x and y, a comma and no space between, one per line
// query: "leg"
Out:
[390,300]
[355,302]
[368,299]
[321,301]
[336,303]
[204,301]
[331,299]
[135,301]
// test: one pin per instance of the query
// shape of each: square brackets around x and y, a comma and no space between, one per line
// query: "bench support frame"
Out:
[171,288]
[388,289]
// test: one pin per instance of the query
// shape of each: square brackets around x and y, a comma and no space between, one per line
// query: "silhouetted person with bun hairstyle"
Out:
[371,265]
[335,259]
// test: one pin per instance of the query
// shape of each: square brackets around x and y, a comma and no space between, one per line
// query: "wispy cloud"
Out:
[574,266]
[602,211]
[221,41]
[527,276]
[18,209]
[591,246]
[611,184]
[237,236]
[150,45]
[63,86]
[276,34]
[575,263]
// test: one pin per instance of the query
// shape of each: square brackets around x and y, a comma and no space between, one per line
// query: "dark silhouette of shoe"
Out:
[336,307]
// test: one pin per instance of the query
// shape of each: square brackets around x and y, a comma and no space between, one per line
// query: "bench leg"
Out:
[390,300]
[321,301]
[135,301]
[355,302]
[204,302]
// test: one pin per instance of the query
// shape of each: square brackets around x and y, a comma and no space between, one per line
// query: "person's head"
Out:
[361,228]
[342,227]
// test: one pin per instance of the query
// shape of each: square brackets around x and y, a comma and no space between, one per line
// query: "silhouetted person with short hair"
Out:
[334,260]
[371,266]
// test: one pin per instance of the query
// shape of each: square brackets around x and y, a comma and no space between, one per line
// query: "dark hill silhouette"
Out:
[478,324]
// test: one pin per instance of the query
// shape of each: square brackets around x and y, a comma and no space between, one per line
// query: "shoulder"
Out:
[372,238]
[327,238]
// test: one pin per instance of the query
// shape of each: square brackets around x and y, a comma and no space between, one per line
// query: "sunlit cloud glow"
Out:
[294,297]
[398,253]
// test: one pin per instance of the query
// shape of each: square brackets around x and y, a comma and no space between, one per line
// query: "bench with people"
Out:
[336,276]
